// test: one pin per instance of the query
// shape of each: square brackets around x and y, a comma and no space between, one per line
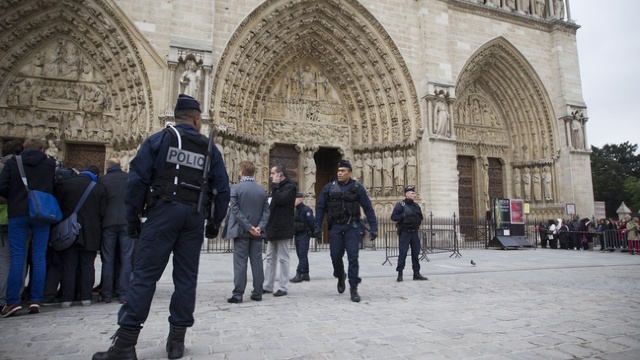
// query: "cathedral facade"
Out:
[468,100]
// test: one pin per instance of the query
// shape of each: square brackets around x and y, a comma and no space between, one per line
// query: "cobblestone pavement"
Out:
[528,304]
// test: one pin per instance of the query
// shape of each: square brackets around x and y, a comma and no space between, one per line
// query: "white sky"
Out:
[609,51]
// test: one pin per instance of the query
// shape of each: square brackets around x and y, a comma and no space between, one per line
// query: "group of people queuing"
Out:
[67,275]
[178,182]
[583,233]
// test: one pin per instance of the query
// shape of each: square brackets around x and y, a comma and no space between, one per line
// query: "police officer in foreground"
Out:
[341,200]
[305,225]
[169,168]
[408,217]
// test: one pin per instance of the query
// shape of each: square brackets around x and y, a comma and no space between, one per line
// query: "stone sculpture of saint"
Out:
[190,78]
[546,182]
[537,185]
[387,172]
[441,118]
[377,173]
[526,181]
[517,184]
[358,167]
[398,172]
[485,180]
[525,6]
[511,4]
[576,134]
[539,7]
[367,170]
[558,8]
[309,173]
[411,166]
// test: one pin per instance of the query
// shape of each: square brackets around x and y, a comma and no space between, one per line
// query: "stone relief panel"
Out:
[477,121]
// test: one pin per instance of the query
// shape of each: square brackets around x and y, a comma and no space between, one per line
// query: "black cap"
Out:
[187,102]
[92,169]
[409,188]
[345,163]
[299,195]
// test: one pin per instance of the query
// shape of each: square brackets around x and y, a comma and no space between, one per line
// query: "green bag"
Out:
[4,217]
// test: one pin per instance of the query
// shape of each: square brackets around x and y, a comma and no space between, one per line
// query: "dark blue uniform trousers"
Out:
[170,226]
[409,239]
[345,238]
[302,250]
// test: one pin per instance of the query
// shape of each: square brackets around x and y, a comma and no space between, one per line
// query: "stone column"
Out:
[567,8]
[207,91]
[170,98]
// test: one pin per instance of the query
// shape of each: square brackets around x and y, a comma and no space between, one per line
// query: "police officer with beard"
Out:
[408,217]
[169,168]
[341,201]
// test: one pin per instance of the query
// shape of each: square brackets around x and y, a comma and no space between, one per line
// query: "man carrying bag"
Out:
[40,172]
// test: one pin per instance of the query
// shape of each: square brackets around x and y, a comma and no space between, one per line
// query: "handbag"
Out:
[42,205]
[64,234]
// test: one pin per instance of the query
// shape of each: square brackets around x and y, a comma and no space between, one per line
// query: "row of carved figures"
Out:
[533,183]
[387,172]
[532,7]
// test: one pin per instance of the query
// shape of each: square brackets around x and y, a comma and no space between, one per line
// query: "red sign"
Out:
[517,211]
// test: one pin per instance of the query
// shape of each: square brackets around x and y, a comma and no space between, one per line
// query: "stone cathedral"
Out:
[467,99]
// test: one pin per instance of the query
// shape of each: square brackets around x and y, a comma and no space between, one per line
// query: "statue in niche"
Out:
[52,149]
[398,172]
[558,9]
[495,3]
[38,64]
[367,171]
[441,117]
[411,166]
[308,82]
[69,64]
[358,167]
[511,4]
[546,181]
[228,158]
[577,139]
[377,173]
[485,181]
[526,181]
[190,78]
[309,173]
[525,5]
[537,184]
[539,7]
[387,172]
[517,185]
[52,67]
[476,114]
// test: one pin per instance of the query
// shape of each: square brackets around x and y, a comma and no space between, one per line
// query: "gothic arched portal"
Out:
[503,113]
[317,73]
[70,72]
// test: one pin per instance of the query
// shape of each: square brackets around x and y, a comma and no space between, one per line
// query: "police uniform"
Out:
[408,217]
[166,174]
[304,227]
[341,203]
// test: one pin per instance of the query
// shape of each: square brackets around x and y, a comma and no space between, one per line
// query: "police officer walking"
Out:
[408,217]
[169,167]
[341,200]
[305,225]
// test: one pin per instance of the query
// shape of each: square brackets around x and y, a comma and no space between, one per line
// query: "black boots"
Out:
[354,295]
[305,277]
[399,279]
[297,278]
[175,341]
[417,276]
[341,285]
[123,347]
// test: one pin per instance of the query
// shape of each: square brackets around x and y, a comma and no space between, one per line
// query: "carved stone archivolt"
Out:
[292,66]
[70,71]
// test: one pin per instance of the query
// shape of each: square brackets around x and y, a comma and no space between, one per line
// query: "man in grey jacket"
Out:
[248,215]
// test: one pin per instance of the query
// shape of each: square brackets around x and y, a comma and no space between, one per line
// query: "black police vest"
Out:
[301,224]
[343,206]
[181,178]
[412,216]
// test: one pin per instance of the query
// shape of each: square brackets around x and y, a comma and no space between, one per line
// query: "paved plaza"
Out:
[515,304]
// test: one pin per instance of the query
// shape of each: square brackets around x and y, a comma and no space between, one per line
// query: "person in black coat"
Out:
[280,229]
[83,252]
[40,172]
[117,246]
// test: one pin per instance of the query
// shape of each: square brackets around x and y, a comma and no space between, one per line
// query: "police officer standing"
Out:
[305,225]
[341,199]
[408,217]
[169,168]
